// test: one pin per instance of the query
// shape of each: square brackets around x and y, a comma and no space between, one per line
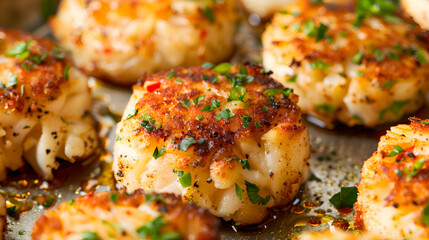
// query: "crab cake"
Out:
[228,138]
[44,104]
[264,8]
[393,199]
[419,10]
[119,40]
[119,215]
[353,68]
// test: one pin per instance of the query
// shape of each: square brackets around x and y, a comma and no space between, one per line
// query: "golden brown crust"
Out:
[187,219]
[396,178]
[41,83]
[392,36]
[164,102]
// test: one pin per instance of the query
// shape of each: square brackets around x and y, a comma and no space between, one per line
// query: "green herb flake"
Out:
[90,236]
[424,217]
[415,169]
[291,79]
[198,99]
[309,28]
[179,80]
[153,230]
[158,153]
[132,114]
[222,68]
[71,202]
[396,151]
[420,57]
[20,50]
[225,114]
[208,13]
[199,118]
[114,197]
[257,124]
[253,194]
[395,108]
[359,74]
[64,121]
[314,178]
[398,172]
[357,58]
[12,81]
[187,103]
[171,75]
[393,55]
[419,120]
[245,164]
[238,191]
[210,107]
[345,198]
[207,65]
[154,197]
[118,138]
[325,108]
[264,108]
[66,72]
[379,56]
[246,121]
[388,84]
[274,91]
[319,64]
[185,179]
[237,94]
[185,143]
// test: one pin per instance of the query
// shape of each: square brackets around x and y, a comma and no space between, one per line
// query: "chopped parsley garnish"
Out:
[237,94]
[419,120]
[158,153]
[388,84]
[379,56]
[316,1]
[420,57]
[71,202]
[118,138]
[66,72]
[21,50]
[345,198]
[64,121]
[199,118]
[132,114]
[245,163]
[326,108]
[208,13]
[148,124]
[170,75]
[184,178]
[201,141]
[90,236]
[357,58]
[415,169]
[186,102]
[398,172]
[359,74]
[274,91]
[246,121]
[396,151]
[393,55]
[150,198]
[210,107]
[424,217]
[291,79]
[395,108]
[257,124]
[222,68]
[264,108]
[153,230]
[12,81]
[253,194]
[319,64]
[113,197]
[185,143]
[238,191]
[179,80]
[198,99]
[225,114]
[314,178]
[385,8]
[359,119]
[2,85]
[207,65]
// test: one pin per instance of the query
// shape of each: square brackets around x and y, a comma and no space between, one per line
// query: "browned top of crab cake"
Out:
[32,71]
[124,216]
[215,107]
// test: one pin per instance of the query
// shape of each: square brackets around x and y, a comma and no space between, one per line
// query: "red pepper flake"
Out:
[153,87]
[107,51]
[203,34]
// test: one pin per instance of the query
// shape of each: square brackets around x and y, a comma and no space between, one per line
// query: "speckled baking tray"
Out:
[336,155]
